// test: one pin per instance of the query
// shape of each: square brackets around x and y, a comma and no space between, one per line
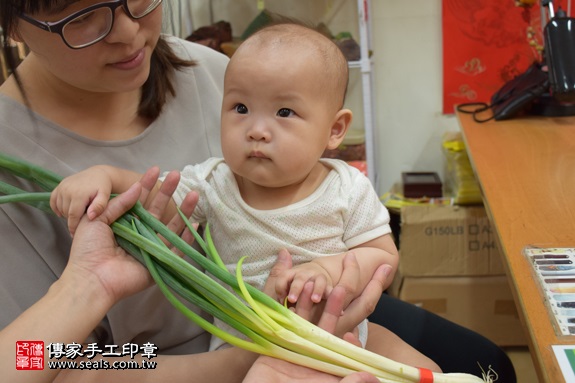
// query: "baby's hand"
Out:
[290,283]
[86,192]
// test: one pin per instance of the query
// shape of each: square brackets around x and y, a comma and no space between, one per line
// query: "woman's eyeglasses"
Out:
[92,24]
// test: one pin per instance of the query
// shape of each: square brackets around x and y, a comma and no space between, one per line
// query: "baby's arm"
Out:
[89,191]
[370,256]
[326,271]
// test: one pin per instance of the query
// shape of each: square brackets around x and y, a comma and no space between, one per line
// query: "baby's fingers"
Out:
[58,202]
[92,207]
[283,264]
[98,205]
[283,281]
[54,203]
[296,287]
[319,289]
[319,283]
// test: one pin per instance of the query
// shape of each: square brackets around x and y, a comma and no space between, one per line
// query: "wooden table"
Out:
[526,169]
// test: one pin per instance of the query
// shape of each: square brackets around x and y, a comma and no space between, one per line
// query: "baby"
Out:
[284,92]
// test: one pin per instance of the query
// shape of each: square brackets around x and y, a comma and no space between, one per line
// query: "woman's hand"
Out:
[95,254]
[267,369]
[96,257]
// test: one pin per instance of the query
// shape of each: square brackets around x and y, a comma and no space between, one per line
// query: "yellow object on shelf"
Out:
[459,179]
[394,200]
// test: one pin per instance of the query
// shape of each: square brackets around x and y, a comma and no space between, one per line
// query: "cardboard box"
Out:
[448,241]
[482,304]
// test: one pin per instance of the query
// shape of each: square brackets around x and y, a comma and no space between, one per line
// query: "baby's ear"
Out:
[339,128]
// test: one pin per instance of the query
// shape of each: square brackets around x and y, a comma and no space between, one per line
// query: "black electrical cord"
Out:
[480,107]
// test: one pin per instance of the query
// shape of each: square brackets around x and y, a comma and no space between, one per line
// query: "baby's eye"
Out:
[241,109]
[285,112]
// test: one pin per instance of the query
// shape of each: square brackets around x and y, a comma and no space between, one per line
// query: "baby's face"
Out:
[276,116]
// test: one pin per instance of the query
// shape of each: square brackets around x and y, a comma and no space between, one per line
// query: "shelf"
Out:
[366,66]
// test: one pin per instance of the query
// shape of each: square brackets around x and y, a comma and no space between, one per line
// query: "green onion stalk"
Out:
[269,327]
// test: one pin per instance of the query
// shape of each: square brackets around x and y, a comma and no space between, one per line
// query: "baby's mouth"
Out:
[258,154]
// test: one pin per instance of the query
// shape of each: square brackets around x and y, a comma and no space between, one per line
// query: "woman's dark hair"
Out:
[164,62]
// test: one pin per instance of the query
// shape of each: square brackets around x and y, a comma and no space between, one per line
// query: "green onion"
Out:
[269,327]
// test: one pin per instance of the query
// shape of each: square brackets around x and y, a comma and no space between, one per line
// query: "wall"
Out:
[408,69]
[407,53]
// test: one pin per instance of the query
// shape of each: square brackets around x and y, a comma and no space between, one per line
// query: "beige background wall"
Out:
[407,56]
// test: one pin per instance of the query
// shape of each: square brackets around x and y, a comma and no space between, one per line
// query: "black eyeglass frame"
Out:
[58,26]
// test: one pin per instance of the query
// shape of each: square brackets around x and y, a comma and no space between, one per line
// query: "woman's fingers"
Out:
[341,294]
[120,204]
[333,309]
[176,223]
[362,306]
[360,377]
[148,182]
[158,203]
[351,338]
[304,306]
[350,278]
[338,316]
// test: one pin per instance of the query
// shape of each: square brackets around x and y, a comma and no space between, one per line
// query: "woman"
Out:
[101,85]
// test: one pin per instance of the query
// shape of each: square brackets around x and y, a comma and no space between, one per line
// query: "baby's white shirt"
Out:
[342,213]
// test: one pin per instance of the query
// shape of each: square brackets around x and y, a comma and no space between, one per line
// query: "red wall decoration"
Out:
[486,43]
